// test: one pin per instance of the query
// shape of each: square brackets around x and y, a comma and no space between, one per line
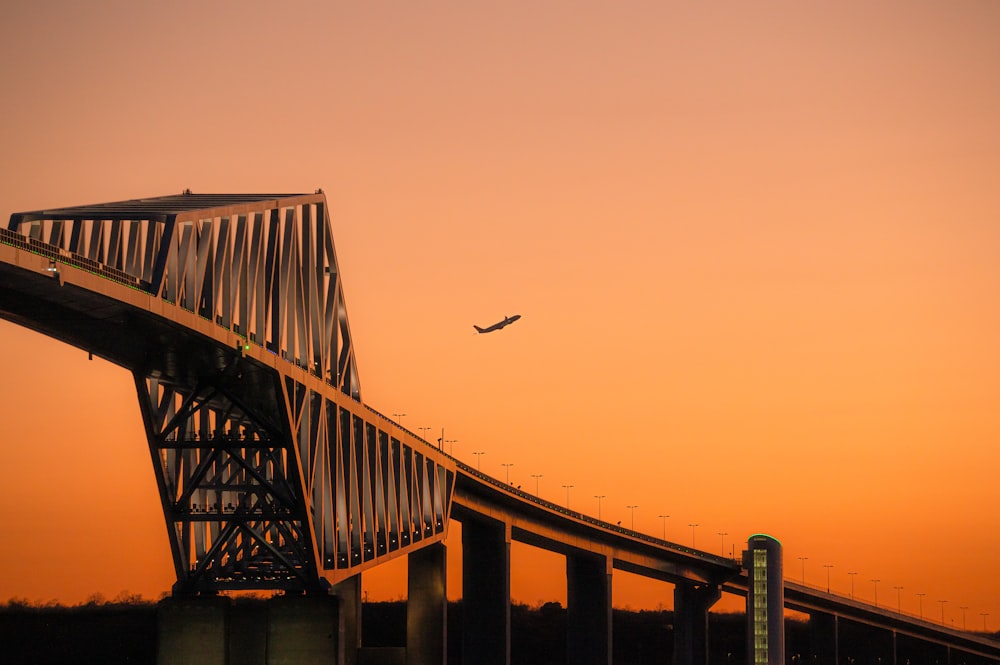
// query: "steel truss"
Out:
[272,475]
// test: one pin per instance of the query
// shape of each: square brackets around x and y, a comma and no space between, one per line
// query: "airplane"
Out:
[497,326]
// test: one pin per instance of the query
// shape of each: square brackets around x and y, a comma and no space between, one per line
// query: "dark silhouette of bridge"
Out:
[229,312]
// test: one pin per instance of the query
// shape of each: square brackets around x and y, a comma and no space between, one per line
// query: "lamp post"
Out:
[479,458]
[875,582]
[664,518]
[632,508]
[963,608]
[599,497]
[942,610]
[397,416]
[424,430]
[803,559]
[452,446]
[693,527]
[722,536]
[852,583]
[899,602]
[536,476]
[984,615]
[567,488]
[921,597]
[828,566]
[507,467]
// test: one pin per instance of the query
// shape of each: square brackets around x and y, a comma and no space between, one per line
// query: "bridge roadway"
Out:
[399,492]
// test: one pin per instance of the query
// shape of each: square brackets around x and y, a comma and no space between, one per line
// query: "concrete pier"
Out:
[485,592]
[288,630]
[691,605]
[588,610]
[427,606]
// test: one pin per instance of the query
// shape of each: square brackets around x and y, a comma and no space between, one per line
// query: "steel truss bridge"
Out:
[229,312]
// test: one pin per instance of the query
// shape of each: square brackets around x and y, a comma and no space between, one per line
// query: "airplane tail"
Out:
[478,329]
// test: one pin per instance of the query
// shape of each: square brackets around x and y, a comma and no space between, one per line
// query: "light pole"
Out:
[632,508]
[693,527]
[397,416]
[507,466]
[921,597]
[984,615]
[479,459]
[942,610]
[722,536]
[852,583]
[803,559]
[599,497]
[452,447]
[536,476]
[424,430]
[963,608]
[875,582]
[899,602]
[664,518]
[828,566]
[567,488]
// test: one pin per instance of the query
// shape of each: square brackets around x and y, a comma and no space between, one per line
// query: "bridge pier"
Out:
[427,606]
[691,605]
[824,640]
[349,633]
[588,609]
[288,630]
[485,592]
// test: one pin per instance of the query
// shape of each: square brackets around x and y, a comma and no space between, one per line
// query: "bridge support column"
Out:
[824,642]
[286,630]
[192,631]
[427,606]
[588,610]
[485,592]
[691,605]
[349,593]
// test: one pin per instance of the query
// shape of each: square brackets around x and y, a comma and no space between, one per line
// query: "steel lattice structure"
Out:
[229,311]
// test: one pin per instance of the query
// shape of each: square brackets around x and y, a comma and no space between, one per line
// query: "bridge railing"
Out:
[58,255]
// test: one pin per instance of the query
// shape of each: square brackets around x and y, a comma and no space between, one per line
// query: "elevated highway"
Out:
[229,312]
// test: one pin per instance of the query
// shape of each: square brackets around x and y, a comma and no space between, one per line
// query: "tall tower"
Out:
[765,601]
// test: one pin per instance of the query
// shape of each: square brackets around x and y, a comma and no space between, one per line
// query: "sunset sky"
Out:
[755,246]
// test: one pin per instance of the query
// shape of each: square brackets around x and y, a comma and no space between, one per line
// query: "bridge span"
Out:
[229,312]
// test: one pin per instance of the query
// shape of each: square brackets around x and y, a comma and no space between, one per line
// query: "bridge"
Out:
[274,474]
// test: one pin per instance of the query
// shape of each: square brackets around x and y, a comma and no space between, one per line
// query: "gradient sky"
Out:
[754,245]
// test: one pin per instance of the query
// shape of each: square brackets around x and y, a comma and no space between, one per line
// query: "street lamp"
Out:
[899,603]
[942,610]
[803,559]
[828,566]
[536,476]
[664,518]
[424,430]
[852,583]
[875,582]
[722,536]
[984,615]
[507,466]
[632,508]
[693,526]
[479,459]
[599,497]
[963,608]
[397,416]
[567,488]
[921,597]
[452,447]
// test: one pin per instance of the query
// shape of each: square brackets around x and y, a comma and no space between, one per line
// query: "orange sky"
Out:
[755,249]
